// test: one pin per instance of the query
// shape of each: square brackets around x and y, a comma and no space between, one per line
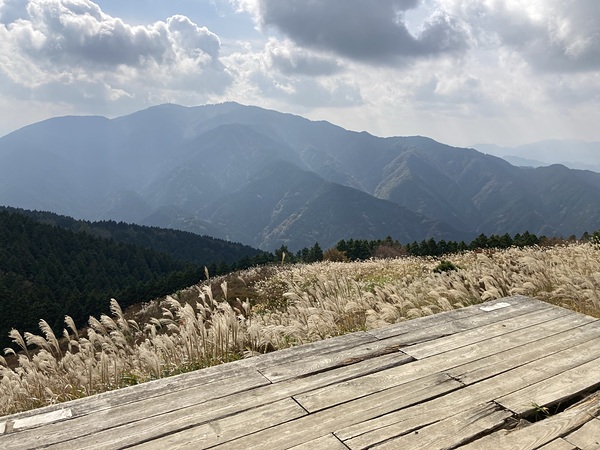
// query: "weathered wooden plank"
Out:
[238,368]
[542,432]
[517,303]
[360,386]
[448,433]
[298,353]
[302,430]
[549,343]
[558,444]
[422,337]
[556,389]
[484,332]
[328,361]
[228,428]
[155,388]
[587,437]
[402,421]
[112,430]
[328,442]
[404,334]
[22,423]
[105,413]
[424,395]
[314,425]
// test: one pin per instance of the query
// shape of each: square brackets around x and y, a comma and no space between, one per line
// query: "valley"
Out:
[266,179]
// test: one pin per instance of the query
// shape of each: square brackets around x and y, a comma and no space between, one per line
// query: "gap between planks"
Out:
[361,345]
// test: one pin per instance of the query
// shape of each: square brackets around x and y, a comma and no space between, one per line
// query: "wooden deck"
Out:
[475,378]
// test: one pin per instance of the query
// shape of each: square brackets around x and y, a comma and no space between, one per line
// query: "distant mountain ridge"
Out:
[581,155]
[179,245]
[267,179]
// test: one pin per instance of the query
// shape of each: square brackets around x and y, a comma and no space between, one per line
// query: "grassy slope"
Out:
[273,307]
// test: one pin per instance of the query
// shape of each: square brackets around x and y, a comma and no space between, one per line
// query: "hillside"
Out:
[52,265]
[269,308]
[180,245]
[49,272]
[193,169]
[283,204]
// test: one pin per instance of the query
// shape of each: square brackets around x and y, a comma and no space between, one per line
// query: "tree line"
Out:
[180,245]
[52,266]
[49,271]
[363,249]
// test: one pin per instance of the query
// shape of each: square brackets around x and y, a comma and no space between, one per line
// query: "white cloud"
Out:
[70,47]
[359,29]
[552,36]
[11,10]
[287,74]
[288,58]
[461,71]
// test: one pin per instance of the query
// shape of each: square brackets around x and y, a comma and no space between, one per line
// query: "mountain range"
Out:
[267,179]
[581,155]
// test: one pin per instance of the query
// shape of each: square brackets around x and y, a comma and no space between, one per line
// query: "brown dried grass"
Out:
[290,305]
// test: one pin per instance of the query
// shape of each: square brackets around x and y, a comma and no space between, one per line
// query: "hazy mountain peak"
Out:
[573,153]
[265,178]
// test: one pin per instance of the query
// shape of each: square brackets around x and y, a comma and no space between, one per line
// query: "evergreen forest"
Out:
[52,266]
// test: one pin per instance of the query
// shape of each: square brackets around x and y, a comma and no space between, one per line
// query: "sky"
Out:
[463,72]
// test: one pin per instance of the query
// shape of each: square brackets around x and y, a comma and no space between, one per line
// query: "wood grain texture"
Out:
[449,432]
[99,416]
[562,386]
[328,442]
[155,388]
[587,437]
[483,331]
[228,428]
[331,360]
[545,343]
[476,353]
[315,425]
[114,432]
[447,327]
[542,432]
[452,380]
[518,303]
[558,444]
[494,385]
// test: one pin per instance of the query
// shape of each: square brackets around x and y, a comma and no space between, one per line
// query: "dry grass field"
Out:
[269,308]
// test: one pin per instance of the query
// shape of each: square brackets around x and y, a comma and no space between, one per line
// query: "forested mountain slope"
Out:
[180,245]
[172,166]
[48,272]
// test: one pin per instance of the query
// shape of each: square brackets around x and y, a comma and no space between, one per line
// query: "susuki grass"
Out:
[282,306]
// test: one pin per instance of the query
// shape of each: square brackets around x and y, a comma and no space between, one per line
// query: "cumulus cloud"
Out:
[442,91]
[11,10]
[74,44]
[359,29]
[389,66]
[290,75]
[553,36]
[571,89]
[287,58]
[308,92]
